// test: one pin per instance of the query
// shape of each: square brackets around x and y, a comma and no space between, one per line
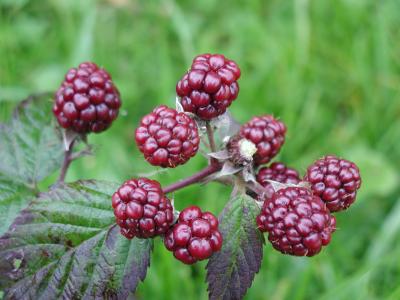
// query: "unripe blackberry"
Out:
[335,180]
[195,236]
[141,209]
[167,138]
[279,172]
[87,100]
[210,86]
[267,133]
[240,150]
[298,222]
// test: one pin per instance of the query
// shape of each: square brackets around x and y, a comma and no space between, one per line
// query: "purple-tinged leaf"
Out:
[66,245]
[230,272]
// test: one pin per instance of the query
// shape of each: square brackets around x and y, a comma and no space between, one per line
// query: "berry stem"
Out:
[195,178]
[211,141]
[210,135]
[68,158]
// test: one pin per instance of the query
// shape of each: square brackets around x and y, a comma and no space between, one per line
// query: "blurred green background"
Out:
[329,69]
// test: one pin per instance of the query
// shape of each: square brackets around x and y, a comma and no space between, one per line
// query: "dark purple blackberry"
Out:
[167,138]
[298,222]
[141,209]
[267,133]
[195,236]
[335,180]
[87,100]
[279,172]
[210,86]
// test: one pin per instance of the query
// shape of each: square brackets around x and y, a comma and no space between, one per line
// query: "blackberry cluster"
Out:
[167,138]
[141,209]
[295,214]
[195,236]
[279,172]
[298,222]
[267,134]
[335,181]
[210,86]
[87,100]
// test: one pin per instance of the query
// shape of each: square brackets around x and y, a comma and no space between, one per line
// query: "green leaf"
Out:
[231,271]
[30,146]
[13,197]
[66,245]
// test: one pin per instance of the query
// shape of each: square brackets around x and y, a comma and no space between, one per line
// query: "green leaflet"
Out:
[65,245]
[30,147]
[13,197]
[30,150]
[231,271]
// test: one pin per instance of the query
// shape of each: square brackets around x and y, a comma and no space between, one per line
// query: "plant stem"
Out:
[195,178]
[210,135]
[211,141]
[67,161]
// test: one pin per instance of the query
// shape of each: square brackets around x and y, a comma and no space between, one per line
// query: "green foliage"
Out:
[30,150]
[231,271]
[330,71]
[13,197]
[66,245]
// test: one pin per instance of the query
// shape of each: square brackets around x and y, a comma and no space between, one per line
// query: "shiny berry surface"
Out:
[87,100]
[297,222]
[195,236]
[279,172]
[141,209]
[167,138]
[210,86]
[335,180]
[268,134]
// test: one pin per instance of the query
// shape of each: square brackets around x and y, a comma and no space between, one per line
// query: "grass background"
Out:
[329,69]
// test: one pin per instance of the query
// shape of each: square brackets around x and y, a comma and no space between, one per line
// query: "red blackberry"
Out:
[141,209]
[167,138]
[210,86]
[87,100]
[195,236]
[335,180]
[277,171]
[298,222]
[267,133]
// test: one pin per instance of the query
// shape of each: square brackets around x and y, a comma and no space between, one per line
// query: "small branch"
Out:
[195,178]
[210,135]
[84,152]
[211,141]
[68,157]
[228,180]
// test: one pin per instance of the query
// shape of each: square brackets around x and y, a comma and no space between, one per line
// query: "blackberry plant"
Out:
[93,239]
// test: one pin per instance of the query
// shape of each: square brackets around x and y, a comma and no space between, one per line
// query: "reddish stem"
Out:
[66,163]
[195,178]
[210,135]
[211,141]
